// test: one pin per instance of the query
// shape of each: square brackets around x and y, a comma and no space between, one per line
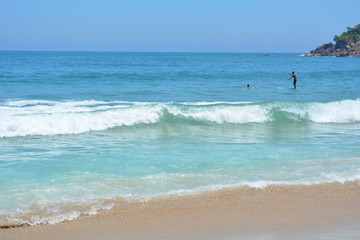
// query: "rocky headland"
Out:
[346,45]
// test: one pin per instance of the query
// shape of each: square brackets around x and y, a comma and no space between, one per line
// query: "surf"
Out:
[38,117]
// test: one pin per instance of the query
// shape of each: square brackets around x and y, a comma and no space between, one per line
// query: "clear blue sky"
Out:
[174,25]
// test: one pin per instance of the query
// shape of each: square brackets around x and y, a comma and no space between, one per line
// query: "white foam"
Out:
[213,103]
[68,210]
[37,117]
[225,114]
[63,211]
[340,178]
[44,120]
[37,220]
[259,184]
[335,112]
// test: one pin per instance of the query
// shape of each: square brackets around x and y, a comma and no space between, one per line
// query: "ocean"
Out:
[81,130]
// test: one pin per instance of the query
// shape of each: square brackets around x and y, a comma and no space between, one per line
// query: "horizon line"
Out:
[119,51]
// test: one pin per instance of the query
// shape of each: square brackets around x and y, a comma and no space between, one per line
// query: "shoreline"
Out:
[223,214]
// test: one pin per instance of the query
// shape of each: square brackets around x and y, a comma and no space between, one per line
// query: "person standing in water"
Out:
[293,75]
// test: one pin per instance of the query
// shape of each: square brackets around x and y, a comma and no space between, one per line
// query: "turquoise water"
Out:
[78,129]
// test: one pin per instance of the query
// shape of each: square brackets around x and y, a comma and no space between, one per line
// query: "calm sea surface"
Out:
[78,129]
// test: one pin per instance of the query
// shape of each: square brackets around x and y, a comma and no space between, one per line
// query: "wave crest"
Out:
[37,117]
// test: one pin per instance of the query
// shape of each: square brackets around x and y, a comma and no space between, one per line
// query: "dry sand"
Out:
[276,212]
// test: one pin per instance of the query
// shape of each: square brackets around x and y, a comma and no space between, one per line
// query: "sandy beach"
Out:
[275,212]
[179,120]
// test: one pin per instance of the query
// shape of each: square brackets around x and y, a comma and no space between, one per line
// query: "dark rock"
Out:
[340,45]
[338,50]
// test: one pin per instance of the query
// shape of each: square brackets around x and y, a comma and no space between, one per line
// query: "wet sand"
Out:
[323,211]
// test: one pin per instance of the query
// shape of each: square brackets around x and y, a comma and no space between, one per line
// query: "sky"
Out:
[174,25]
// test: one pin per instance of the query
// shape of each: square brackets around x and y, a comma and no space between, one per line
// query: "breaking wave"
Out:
[38,117]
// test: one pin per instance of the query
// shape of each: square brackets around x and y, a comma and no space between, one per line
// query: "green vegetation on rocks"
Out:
[352,35]
[347,45]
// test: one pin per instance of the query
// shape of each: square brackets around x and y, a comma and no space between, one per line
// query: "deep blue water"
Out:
[174,76]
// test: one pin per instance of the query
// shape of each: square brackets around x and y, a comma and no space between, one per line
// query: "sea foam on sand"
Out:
[275,212]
